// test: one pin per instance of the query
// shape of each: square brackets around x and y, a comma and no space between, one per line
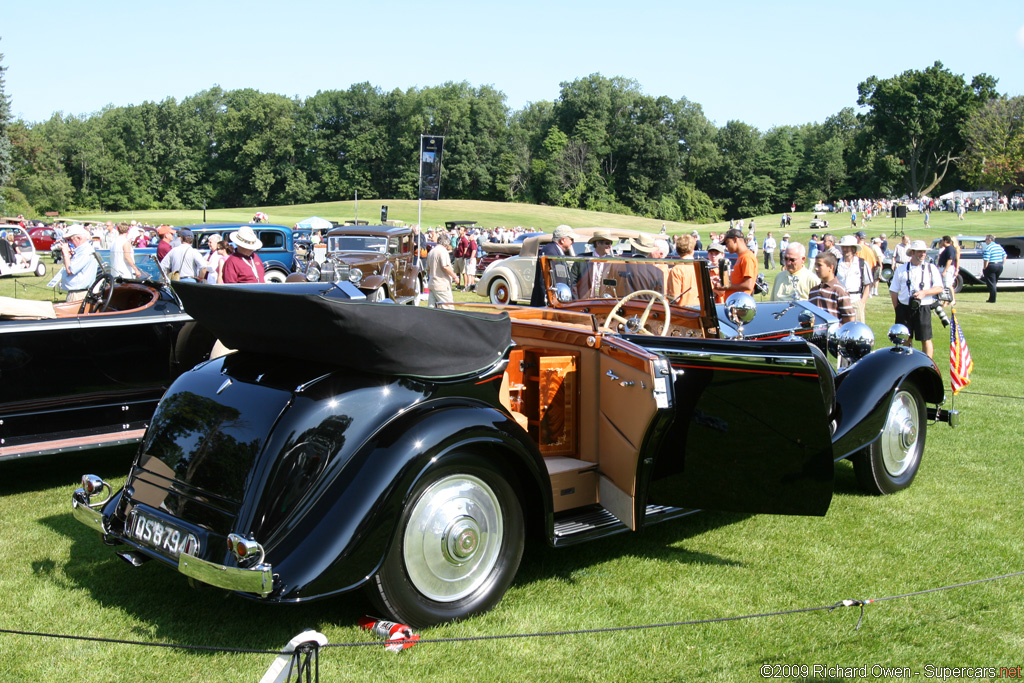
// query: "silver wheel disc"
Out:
[899,440]
[453,538]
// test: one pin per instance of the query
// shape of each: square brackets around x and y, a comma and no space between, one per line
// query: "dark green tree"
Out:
[6,151]
[918,118]
[995,145]
[741,182]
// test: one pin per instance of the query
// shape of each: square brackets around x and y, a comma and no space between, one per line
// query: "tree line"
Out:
[603,144]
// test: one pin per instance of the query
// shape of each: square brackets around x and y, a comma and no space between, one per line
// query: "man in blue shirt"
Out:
[80,265]
[992,256]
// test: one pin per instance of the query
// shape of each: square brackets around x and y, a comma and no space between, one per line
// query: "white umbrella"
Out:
[314,223]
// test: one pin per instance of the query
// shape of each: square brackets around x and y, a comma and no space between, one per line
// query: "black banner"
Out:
[431,147]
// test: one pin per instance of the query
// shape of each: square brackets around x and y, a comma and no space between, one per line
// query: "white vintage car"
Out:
[971,260]
[510,280]
[18,255]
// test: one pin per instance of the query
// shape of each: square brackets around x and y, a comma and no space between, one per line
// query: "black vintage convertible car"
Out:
[83,375]
[409,451]
[89,374]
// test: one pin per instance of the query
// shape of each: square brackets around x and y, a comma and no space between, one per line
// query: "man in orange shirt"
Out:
[744,273]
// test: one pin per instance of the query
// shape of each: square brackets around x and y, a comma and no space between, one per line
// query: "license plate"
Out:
[162,537]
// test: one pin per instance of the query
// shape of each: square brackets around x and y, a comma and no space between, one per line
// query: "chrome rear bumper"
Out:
[258,580]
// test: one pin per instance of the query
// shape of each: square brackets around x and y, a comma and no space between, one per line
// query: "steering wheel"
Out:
[656,297]
[99,294]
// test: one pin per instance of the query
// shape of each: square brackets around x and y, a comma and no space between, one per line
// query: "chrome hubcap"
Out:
[899,436]
[501,293]
[453,539]
[461,540]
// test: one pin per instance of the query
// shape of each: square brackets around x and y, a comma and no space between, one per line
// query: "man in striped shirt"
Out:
[992,256]
[830,294]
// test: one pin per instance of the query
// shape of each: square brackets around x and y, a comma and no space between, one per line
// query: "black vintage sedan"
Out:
[408,451]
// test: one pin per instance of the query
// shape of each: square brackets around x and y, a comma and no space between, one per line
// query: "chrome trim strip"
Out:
[85,322]
[121,321]
[258,580]
[734,358]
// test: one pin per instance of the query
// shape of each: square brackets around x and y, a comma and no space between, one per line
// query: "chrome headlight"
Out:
[313,273]
[741,307]
[355,276]
[833,338]
[855,340]
[899,334]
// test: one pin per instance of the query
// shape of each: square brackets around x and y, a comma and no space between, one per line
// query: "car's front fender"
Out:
[863,393]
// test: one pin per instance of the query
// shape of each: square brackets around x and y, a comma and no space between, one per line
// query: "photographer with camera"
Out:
[914,287]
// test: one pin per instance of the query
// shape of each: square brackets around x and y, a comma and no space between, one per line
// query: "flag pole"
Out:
[419,189]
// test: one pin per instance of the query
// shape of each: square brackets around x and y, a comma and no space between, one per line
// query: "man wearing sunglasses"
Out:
[795,277]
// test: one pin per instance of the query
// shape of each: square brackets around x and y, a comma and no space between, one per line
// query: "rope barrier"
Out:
[978,393]
[540,634]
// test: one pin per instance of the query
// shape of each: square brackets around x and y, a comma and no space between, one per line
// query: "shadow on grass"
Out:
[65,469]
[173,611]
[659,542]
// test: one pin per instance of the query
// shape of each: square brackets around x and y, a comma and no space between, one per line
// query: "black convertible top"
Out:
[386,339]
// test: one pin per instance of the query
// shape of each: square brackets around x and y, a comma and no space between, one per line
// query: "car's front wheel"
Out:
[499,291]
[890,463]
[40,269]
[456,549]
[377,295]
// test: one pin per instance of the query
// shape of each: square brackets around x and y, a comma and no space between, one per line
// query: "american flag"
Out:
[960,363]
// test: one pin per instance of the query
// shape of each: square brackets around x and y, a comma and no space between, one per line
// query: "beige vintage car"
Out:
[510,280]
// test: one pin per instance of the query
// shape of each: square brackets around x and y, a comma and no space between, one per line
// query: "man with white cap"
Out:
[560,245]
[913,290]
[244,265]
[80,266]
[854,274]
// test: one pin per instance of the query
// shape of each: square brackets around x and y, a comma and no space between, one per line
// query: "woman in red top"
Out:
[243,265]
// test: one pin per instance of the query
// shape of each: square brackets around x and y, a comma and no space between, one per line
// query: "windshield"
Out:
[681,281]
[357,243]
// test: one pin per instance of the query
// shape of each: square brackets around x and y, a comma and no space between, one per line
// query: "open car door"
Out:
[751,428]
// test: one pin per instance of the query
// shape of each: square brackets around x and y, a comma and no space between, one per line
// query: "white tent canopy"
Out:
[314,223]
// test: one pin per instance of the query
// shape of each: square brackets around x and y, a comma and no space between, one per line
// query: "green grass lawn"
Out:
[959,521]
[490,214]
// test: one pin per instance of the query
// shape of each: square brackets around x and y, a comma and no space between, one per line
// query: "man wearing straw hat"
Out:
[244,265]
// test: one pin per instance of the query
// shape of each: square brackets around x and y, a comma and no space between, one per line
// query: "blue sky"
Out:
[763,63]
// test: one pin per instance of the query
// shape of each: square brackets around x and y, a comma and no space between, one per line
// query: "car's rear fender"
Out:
[970,278]
[342,539]
[863,393]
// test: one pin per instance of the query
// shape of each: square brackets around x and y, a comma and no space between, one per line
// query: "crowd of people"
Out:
[840,278]
[220,261]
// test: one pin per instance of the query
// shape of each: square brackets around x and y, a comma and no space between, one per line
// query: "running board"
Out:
[596,522]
